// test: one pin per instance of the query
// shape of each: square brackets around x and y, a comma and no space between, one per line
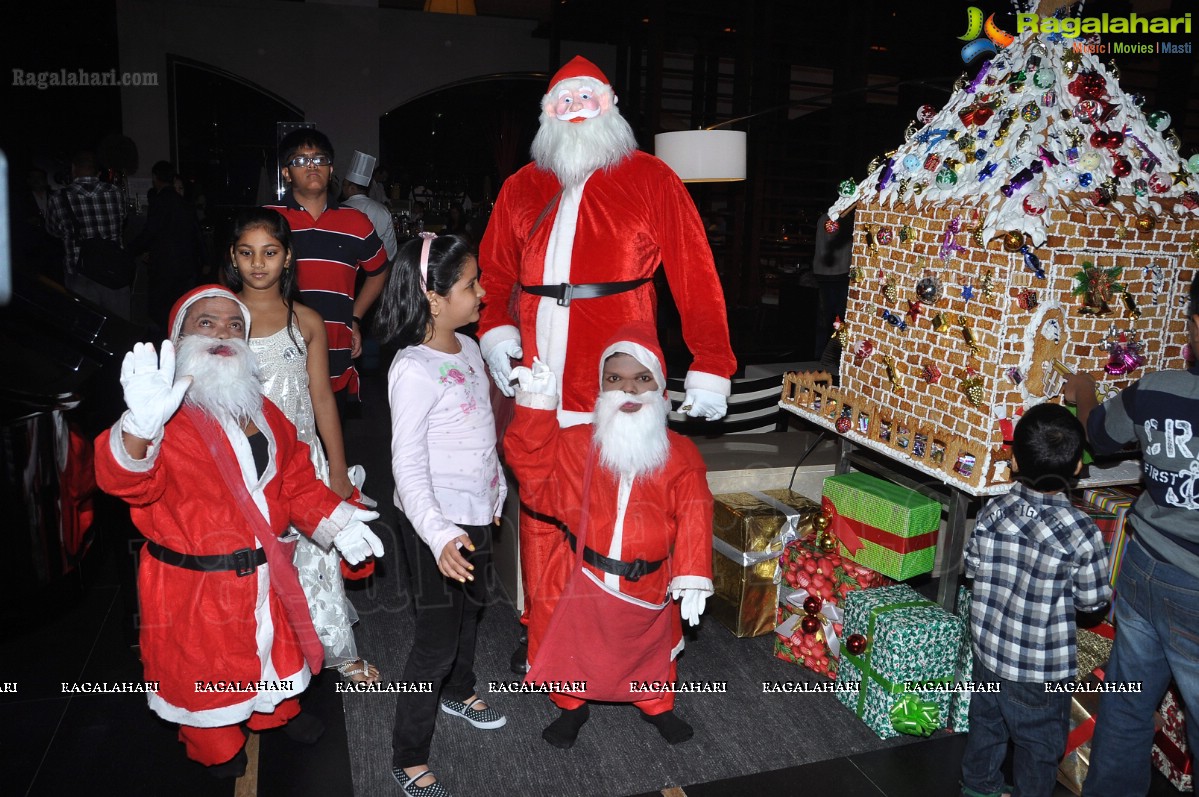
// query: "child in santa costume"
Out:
[633,514]
[214,474]
[578,235]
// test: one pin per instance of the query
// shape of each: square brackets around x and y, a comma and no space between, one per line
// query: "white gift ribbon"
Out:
[831,614]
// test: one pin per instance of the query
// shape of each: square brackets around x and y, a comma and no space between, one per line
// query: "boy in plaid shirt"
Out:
[1035,560]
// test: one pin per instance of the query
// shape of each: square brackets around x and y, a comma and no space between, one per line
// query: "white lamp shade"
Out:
[703,156]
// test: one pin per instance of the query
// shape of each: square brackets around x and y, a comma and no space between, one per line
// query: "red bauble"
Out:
[1121,167]
[1098,139]
[831,226]
[855,644]
[812,604]
[1115,140]
[810,624]
[843,425]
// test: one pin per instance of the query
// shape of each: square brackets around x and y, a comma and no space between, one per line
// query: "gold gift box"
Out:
[743,524]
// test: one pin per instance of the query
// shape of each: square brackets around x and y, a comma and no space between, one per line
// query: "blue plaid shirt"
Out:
[1035,559]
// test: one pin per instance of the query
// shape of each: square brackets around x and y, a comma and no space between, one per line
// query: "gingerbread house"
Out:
[1042,220]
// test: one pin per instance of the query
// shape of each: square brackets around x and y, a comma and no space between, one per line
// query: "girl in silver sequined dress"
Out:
[283,333]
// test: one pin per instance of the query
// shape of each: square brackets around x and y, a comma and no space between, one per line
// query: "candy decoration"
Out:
[893,319]
[906,233]
[884,236]
[1027,299]
[940,323]
[1032,262]
[968,334]
[931,373]
[892,374]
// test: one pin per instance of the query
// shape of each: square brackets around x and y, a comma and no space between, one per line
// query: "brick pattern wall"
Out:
[940,413]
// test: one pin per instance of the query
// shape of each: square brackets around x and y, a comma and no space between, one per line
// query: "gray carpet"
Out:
[740,732]
[737,733]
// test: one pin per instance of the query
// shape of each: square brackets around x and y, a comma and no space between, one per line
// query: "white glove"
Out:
[538,379]
[151,392]
[356,541]
[692,604]
[700,403]
[357,475]
[499,362]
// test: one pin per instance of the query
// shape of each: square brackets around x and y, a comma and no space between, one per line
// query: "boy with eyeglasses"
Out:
[332,244]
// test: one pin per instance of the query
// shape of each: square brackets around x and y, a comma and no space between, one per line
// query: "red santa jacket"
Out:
[630,218]
[205,627]
[668,514]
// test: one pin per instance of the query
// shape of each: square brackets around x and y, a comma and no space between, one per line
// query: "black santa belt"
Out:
[565,292]
[632,571]
[243,562]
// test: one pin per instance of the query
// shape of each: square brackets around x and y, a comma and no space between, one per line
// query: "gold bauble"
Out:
[828,543]
[1146,222]
[821,522]
[1013,240]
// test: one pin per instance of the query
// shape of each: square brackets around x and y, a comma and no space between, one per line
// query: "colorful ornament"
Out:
[890,288]
[862,351]
[847,187]
[910,162]
[988,282]
[1158,120]
[1097,286]
[843,423]
[1014,375]
[831,226]
[1180,176]
[946,178]
[1159,182]
[1030,112]
[893,319]
[1193,164]
[1121,167]
[1035,203]
[1146,221]
[841,332]
[940,323]
[871,241]
[1130,304]
[1043,78]
[1140,187]
[1125,354]
[948,244]
[1049,99]
[884,236]
[856,644]
[906,233]
[1065,179]
[928,289]
[972,387]
[812,605]
[926,113]
[1027,299]
[1013,240]
[1032,262]
[931,373]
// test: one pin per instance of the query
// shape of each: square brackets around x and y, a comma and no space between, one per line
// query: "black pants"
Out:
[443,647]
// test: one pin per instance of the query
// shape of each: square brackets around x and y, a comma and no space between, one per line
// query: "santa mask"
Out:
[581,129]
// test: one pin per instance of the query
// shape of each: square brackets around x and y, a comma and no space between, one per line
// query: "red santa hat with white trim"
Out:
[579,67]
[639,340]
[179,311]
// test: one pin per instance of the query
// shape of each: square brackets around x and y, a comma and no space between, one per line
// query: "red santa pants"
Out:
[659,704]
[211,746]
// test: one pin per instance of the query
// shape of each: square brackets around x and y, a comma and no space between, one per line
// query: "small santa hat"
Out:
[639,340]
[578,67]
[179,311]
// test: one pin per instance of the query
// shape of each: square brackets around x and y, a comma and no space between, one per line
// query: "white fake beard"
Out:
[631,443]
[227,388]
[573,150]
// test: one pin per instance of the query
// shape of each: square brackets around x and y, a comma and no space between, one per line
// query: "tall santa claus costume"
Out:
[636,495]
[213,484]
[578,234]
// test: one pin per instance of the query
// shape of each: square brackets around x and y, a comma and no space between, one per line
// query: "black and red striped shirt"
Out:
[329,252]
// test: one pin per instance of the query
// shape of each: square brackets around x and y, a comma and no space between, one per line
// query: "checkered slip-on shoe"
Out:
[434,789]
[486,719]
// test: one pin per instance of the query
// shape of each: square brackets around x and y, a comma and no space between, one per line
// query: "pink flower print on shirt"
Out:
[451,374]
[469,406]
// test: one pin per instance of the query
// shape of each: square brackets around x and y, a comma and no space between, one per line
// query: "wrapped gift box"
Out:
[1170,754]
[829,575]
[896,528]
[1109,508]
[910,642]
[959,703]
[1084,708]
[750,531]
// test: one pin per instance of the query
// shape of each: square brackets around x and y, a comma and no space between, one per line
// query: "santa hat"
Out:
[639,340]
[179,311]
[578,67]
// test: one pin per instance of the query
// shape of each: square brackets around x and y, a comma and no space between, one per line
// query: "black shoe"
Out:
[304,728]
[562,732]
[233,768]
[673,729]
[520,657]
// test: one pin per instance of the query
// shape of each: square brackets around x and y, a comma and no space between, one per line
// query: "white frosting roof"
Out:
[1033,127]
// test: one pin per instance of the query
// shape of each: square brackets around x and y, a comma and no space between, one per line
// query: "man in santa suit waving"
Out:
[214,474]
[632,512]
[578,234]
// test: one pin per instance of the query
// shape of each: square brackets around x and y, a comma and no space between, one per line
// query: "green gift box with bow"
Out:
[881,525]
[905,674]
